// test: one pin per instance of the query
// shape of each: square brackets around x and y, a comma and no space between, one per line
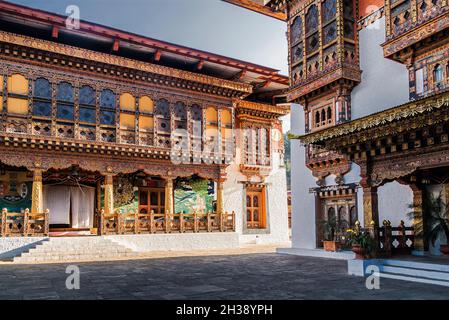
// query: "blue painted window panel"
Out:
[65,112]
[107,117]
[42,88]
[107,99]
[42,109]
[296,30]
[180,110]
[87,115]
[330,32]
[312,19]
[197,113]
[329,10]
[163,108]
[65,92]
[87,95]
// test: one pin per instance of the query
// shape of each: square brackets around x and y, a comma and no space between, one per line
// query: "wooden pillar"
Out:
[169,205]
[371,214]
[98,190]
[109,194]
[220,204]
[418,219]
[37,200]
[370,207]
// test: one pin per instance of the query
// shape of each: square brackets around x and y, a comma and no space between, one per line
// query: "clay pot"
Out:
[359,251]
[331,246]
[444,248]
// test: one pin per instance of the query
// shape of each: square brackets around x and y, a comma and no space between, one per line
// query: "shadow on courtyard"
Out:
[252,276]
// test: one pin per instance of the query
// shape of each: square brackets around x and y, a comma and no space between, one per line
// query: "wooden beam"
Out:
[157,55]
[55,32]
[200,65]
[239,75]
[116,45]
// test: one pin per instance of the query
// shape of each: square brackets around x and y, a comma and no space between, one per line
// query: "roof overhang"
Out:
[361,130]
[260,6]
[185,58]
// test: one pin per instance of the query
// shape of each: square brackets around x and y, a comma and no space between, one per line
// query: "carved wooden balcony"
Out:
[410,24]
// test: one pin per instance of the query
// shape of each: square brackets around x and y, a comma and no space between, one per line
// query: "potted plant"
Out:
[435,220]
[332,229]
[361,243]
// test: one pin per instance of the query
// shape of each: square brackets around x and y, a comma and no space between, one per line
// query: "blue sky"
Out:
[210,25]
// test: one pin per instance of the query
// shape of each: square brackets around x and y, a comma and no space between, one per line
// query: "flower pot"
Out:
[331,246]
[444,248]
[359,252]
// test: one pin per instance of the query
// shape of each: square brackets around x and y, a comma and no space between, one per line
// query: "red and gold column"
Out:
[37,199]
[169,204]
[109,194]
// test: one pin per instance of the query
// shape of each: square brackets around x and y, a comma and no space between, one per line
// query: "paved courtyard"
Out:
[252,276]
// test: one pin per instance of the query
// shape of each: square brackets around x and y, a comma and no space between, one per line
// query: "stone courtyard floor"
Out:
[249,276]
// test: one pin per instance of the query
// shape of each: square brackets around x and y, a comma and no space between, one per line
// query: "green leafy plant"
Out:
[362,238]
[333,228]
[435,219]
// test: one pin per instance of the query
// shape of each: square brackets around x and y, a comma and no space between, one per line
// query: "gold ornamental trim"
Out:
[383,118]
[86,54]
[281,109]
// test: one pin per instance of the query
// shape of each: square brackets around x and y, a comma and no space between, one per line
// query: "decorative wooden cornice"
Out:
[415,33]
[381,119]
[279,110]
[52,153]
[322,79]
[370,19]
[103,58]
[255,170]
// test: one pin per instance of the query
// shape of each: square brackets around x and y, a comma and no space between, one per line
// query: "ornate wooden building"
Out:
[112,130]
[360,157]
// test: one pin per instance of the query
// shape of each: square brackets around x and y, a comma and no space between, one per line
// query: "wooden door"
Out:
[152,199]
[255,209]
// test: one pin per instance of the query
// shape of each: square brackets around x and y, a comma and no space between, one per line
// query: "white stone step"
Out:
[421,273]
[414,279]
[75,249]
[416,265]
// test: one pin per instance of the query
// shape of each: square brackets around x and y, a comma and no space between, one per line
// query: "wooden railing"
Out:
[396,240]
[138,223]
[24,223]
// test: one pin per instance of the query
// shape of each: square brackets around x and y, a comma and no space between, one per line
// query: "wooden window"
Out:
[152,199]
[65,101]
[255,208]
[146,105]
[127,102]
[87,101]
[211,122]
[353,217]
[127,114]
[438,74]
[196,115]
[107,107]
[42,98]
[146,109]
[1,92]
[17,102]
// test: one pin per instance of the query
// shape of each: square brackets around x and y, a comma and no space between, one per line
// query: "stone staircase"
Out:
[431,273]
[75,249]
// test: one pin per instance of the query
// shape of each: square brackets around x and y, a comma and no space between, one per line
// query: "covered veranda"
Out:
[104,192]
[408,144]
